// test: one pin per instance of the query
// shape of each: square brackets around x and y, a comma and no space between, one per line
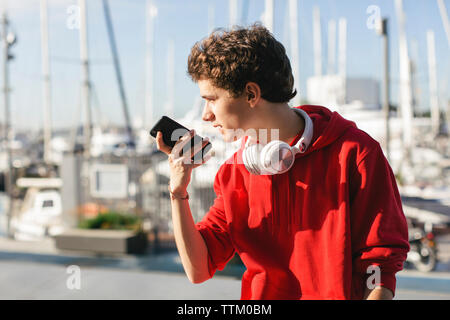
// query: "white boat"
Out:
[40,215]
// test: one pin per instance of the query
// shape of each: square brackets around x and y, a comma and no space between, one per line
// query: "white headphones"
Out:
[277,156]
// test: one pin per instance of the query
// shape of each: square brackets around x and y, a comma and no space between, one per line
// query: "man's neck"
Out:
[280,118]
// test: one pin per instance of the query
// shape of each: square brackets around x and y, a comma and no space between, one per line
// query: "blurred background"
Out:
[82,83]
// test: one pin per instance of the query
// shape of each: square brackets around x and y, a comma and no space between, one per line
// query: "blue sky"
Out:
[187,22]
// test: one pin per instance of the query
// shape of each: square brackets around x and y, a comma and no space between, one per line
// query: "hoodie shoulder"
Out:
[332,129]
[359,142]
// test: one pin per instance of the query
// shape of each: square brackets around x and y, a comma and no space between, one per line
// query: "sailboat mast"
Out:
[85,87]
[170,109]
[293,24]
[331,47]
[211,13]
[444,18]
[115,55]
[268,15]
[342,59]
[446,23]
[317,38]
[8,134]
[151,13]
[233,13]
[405,100]
[46,102]
[432,78]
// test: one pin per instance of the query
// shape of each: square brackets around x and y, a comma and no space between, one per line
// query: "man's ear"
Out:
[253,93]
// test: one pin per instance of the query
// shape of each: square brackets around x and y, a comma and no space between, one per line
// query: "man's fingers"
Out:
[197,153]
[181,143]
[205,159]
[183,152]
[161,145]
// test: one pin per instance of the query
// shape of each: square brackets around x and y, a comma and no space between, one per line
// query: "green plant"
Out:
[112,221]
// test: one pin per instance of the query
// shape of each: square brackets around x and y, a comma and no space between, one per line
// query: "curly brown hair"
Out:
[231,59]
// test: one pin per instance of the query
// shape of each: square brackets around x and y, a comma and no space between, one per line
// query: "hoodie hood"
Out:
[328,126]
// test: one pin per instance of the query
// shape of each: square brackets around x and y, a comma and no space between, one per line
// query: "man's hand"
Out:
[378,293]
[180,164]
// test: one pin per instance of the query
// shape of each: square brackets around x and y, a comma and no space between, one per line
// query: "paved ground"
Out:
[39,271]
[48,281]
[40,281]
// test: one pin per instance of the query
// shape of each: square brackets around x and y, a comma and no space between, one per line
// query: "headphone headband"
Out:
[276,156]
[305,140]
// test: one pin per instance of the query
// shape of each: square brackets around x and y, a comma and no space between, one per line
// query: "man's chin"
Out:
[230,135]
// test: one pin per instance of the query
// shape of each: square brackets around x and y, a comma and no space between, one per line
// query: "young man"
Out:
[317,215]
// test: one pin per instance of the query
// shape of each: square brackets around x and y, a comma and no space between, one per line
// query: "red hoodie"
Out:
[312,232]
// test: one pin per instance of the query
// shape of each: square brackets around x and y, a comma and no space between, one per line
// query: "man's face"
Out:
[229,115]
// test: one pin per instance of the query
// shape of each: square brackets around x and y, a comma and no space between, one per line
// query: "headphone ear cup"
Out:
[246,159]
[255,158]
[270,154]
[250,158]
[265,159]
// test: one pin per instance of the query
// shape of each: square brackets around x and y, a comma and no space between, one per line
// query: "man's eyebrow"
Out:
[207,96]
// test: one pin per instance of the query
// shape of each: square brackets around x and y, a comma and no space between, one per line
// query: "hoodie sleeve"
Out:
[214,230]
[378,224]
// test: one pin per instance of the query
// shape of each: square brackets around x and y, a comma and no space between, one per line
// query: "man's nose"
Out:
[207,114]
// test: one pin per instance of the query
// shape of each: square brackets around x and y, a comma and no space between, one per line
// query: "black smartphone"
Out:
[172,131]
